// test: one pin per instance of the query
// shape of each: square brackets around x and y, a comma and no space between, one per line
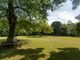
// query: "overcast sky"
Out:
[64,13]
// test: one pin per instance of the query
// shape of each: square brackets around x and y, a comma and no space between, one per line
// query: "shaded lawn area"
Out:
[44,48]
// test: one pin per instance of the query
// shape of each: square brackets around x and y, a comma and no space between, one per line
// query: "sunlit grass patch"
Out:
[44,48]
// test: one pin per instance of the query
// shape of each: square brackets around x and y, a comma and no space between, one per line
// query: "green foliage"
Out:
[4,27]
[23,26]
[42,26]
[58,28]
[71,29]
[26,27]
[30,8]
[78,28]
[65,29]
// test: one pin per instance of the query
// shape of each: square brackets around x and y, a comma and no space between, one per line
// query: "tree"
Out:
[57,25]
[42,27]
[14,9]
[78,28]
[75,4]
[4,27]
[63,30]
[23,27]
[71,29]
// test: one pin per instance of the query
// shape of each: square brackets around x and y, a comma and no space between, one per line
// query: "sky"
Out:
[64,13]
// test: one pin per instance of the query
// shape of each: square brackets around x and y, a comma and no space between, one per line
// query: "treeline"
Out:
[41,27]
[26,27]
[69,29]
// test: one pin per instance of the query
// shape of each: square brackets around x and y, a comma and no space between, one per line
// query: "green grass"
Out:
[44,48]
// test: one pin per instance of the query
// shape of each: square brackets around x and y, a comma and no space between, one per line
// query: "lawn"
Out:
[44,48]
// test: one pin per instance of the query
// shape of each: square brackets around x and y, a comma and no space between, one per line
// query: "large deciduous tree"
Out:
[14,9]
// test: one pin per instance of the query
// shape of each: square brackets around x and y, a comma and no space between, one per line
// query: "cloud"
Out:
[67,16]
[64,14]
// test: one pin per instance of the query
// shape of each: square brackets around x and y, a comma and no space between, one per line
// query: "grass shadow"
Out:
[65,54]
[29,54]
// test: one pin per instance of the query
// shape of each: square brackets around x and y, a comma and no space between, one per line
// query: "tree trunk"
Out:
[12,21]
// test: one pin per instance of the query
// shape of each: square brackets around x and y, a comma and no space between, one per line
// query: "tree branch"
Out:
[17,7]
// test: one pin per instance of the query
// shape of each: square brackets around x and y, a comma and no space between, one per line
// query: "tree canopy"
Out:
[29,9]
